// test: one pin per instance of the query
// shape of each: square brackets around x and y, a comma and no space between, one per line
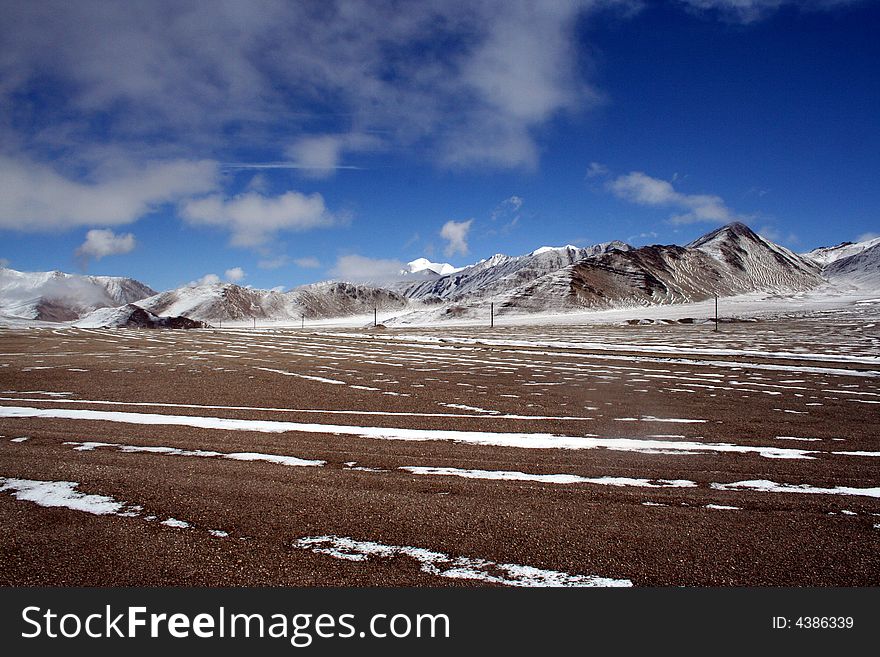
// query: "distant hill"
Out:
[58,297]
[727,261]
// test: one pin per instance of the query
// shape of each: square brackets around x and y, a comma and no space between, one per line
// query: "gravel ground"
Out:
[805,386]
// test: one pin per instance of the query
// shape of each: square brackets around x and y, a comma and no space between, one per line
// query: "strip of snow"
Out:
[174,451]
[320,379]
[61,494]
[764,485]
[520,440]
[444,565]
[508,475]
[651,418]
[632,348]
[317,411]
[20,439]
[723,507]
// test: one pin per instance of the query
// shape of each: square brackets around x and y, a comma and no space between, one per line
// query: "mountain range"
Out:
[728,261]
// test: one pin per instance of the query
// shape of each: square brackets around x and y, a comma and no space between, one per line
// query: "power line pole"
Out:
[303,321]
[491,315]
[716,313]
[375,317]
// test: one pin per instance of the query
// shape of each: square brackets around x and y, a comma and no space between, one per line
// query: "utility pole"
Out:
[303,321]
[716,313]
[492,315]
[375,316]
[255,322]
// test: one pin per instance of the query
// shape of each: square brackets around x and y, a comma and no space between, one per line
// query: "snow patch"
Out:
[444,565]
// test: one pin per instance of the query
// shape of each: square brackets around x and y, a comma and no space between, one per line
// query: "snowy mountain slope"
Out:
[56,296]
[500,273]
[337,299]
[825,255]
[756,262]
[228,302]
[729,261]
[132,316]
[221,301]
[861,269]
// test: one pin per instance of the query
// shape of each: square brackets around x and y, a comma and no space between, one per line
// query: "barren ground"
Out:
[797,393]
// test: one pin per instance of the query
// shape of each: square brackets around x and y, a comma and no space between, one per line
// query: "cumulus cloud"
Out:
[253,218]
[104,242]
[234,275]
[35,197]
[207,279]
[360,269]
[637,187]
[456,233]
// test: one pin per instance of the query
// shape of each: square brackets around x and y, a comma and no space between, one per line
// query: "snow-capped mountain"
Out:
[728,261]
[56,296]
[220,302]
[861,269]
[337,299]
[825,255]
[423,265]
[751,262]
[502,273]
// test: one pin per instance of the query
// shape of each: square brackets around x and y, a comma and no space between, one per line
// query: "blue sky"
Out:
[275,143]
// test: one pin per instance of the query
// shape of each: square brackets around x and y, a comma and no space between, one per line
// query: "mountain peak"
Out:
[546,249]
[425,265]
[729,231]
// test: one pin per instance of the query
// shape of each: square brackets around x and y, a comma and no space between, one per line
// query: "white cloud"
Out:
[597,170]
[319,156]
[747,11]
[234,275]
[456,233]
[356,268]
[104,242]
[207,279]
[35,197]
[4,262]
[188,71]
[308,262]
[508,209]
[864,237]
[637,187]
[773,234]
[253,218]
